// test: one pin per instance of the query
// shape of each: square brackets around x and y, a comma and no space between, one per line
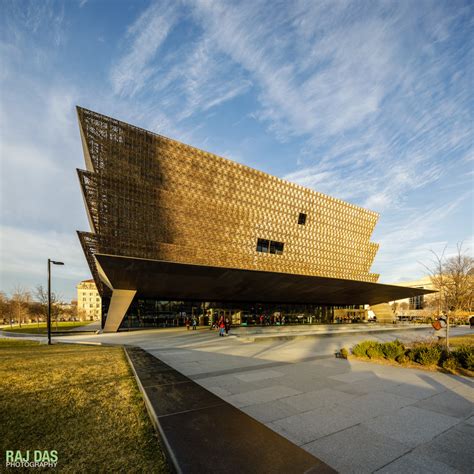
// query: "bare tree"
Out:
[5,307]
[453,277]
[41,294]
[20,301]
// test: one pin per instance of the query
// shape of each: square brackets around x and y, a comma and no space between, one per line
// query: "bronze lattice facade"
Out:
[152,197]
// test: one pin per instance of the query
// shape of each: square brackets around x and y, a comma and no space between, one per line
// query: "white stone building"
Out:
[88,300]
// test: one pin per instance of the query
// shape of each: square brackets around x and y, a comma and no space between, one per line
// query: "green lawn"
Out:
[40,328]
[81,401]
[467,340]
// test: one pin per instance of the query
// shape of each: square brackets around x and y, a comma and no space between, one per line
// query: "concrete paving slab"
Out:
[366,386]
[261,395]
[314,424]
[315,399]
[419,391]
[270,411]
[411,425]
[357,449]
[365,407]
[415,464]
[232,386]
[258,375]
[350,377]
[448,403]
[301,383]
[454,447]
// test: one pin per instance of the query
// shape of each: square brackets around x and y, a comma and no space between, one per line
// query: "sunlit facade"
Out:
[89,302]
[175,225]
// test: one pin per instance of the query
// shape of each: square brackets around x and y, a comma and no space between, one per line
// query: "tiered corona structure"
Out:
[154,198]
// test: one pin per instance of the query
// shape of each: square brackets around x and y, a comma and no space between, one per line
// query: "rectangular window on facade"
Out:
[263,245]
[266,246]
[277,246]
[302,219]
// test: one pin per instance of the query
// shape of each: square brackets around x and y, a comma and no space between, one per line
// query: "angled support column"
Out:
[119,304]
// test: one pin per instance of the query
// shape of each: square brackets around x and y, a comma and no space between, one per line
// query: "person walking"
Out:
[187,323]
[227,325]
[194,323]
[221,326]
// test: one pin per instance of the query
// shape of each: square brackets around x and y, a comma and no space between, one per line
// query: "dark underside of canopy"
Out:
[178,281]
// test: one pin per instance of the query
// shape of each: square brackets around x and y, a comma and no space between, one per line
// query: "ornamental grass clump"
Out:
[450,363]
[392,350]
[402,358]
[429,355]
[465,356]
[360,350]
[376,351]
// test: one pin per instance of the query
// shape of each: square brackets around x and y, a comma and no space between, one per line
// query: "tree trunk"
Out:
[447,332]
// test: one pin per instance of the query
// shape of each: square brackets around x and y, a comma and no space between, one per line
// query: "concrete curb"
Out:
[154,419]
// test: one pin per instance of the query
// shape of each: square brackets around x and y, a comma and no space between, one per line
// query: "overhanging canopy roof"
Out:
[179,281]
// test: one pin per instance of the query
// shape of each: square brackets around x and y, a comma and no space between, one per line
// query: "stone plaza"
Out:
[356,416]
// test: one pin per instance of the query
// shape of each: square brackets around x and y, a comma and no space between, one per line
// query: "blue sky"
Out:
[369,101]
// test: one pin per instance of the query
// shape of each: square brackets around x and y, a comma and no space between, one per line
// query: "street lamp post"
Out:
[48,322]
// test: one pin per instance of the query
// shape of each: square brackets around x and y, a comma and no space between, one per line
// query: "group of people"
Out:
[191,322]
[270,320]
[223,324]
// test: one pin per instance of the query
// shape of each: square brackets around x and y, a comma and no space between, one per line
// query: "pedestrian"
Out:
[187,323]
[221,326]
[194,323]
[227,325]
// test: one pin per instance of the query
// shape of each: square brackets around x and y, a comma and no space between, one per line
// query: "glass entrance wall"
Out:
[144,312]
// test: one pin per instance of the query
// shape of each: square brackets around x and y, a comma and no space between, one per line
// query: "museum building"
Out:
[179,232]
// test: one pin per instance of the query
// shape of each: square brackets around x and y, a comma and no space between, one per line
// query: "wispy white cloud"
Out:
[39,196]
[406,241]
[145,35]
[175,84]
[357,82]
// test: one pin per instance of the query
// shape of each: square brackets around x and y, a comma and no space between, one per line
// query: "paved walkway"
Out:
[355,416]
[93,326]
[205,434]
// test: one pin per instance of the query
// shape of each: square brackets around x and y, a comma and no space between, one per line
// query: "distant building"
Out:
[88,300]
[417,305]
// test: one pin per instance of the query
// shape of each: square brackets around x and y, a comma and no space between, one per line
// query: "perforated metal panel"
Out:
[152,197]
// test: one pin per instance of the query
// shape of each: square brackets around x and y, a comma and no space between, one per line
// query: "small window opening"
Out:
[302,219]
[263,245]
